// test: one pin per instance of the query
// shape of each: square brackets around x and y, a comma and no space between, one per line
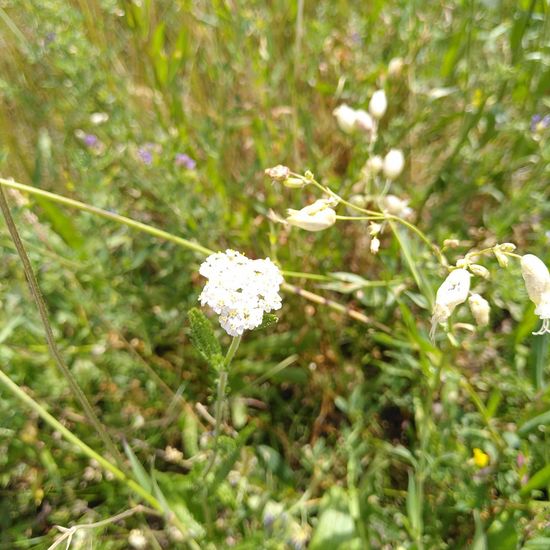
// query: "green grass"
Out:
[341,434]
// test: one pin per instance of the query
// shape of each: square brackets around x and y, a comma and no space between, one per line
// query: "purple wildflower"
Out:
[185,161]
[145,155]
[91,140]
[539,123]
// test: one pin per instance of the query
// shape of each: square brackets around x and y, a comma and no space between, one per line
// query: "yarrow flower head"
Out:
[537,282]
[240,290]
[451,293]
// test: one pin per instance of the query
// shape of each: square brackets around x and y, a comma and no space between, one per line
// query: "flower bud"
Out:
[502,259]
[375,164]
[278,173]
[394,162]
[451,243]
[346,117]
[378,104]
[480,271]
[451,293]
[374,245]
[294,183]
[315,217]
[537,282]
[395,67]
[396,206]
[364,122]
[480,309]
[507,247]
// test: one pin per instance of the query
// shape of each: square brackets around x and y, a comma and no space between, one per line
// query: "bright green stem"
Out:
[220,396]
[88,451]
[43,311]
[185,243]
[107,215]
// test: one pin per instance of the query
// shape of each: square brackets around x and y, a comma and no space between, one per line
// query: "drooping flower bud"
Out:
[394,162]
[378,104]
[396,206]
[314,217]
[364,122]
[375,245]
[278,173]
[480,271]
[375,164]
[480,309]
[537,282]
[346,117]
[451,293]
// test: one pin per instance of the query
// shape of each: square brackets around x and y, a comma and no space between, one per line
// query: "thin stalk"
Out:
[108,215]
[220,396]
[89,452]
[185,243]
[54,351]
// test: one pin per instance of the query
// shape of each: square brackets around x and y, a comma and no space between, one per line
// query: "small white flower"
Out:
[374,165]
[480,309]
[240,290]
[394,162]
[451,293]
[314,217]
[537,282]
[98,118]
[136,539]
[378,104]
[346,117]
[364,122]
[480,271]
[396,206]
[395,67]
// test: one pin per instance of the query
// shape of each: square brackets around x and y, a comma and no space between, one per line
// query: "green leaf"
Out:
[203,338]
[540,480]
[138,470]
[334,530]
[539,420]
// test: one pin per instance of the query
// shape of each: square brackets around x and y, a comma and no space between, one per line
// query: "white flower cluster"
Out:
[240,290]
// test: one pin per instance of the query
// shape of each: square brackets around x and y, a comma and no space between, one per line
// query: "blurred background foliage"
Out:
[168,112]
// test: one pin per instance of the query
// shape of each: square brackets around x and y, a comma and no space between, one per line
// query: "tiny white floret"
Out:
[240,290]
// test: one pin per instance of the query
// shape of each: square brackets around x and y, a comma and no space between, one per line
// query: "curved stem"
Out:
[185,243]
[54,351]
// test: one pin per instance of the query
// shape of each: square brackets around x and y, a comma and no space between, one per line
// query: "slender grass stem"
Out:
[54,351]
[185,243]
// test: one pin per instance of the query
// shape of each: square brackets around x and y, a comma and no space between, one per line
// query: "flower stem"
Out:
[50,339]
[220,396]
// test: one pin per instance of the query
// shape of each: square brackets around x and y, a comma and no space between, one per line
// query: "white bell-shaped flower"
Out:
[378,104]
[537,282]
[394,162]
[314,217]
[451,293]
[346,118]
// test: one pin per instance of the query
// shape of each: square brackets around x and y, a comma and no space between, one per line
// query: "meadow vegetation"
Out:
[135,138]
